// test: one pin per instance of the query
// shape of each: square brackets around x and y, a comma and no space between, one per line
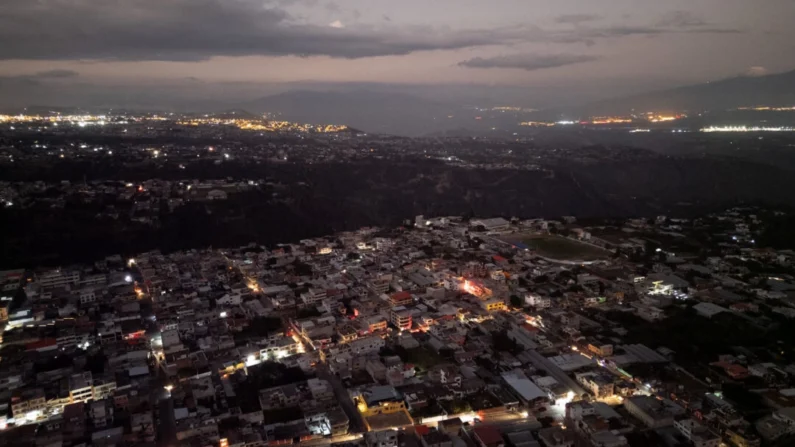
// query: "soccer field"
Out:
[556,247]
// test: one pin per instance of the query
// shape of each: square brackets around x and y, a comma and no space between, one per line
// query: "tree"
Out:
[308,312]
[516,301]
[447,353]
[460,406]
[19,299]
[302,269]
[502,342]
[264,326]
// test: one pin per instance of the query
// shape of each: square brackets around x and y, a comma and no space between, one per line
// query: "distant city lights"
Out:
[747,129]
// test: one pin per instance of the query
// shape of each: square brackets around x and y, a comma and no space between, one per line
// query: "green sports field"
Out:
[557,247]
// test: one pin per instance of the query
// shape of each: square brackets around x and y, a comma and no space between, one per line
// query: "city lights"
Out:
[747,129]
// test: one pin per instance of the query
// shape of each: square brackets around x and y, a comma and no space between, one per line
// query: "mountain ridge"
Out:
[774,90]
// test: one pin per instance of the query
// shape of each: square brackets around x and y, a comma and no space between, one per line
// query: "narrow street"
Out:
[357,424]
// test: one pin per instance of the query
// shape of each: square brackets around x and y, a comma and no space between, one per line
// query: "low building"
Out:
[777,425]
[524,388]
[493,305]
[708,310]
[600,385]
[696,433]
[654,413]
[494,224]
[602,350]
[436,438]
[487,436]
[557,437]
[384,438]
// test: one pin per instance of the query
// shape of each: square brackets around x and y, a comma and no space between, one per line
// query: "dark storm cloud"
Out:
[576,19]
[529,62]
[626,31]
[195,30]
[681,19]
[56,74]
[42,76]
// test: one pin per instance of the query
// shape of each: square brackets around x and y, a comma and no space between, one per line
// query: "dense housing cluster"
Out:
[444,331]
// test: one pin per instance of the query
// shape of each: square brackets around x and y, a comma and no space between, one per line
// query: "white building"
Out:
[696,433]
[708,310]
[495,224]
[654,413]
[384,438]
[57,278]
[537,301]
[366,345]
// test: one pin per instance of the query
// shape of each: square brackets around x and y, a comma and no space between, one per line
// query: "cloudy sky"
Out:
[563,45]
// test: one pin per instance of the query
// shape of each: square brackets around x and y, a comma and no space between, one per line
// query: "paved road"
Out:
[354,437]
[357,424]
[167,428]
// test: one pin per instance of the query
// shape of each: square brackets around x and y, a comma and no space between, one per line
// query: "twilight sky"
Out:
[591,47]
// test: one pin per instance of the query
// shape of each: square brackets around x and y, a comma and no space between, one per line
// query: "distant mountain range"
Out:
[377,112]
[406,114]
[743,91]
[412,110]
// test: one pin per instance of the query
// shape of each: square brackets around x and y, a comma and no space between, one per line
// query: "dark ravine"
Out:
[322,199]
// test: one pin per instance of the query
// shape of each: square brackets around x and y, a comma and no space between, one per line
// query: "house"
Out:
[403,298]
[600,385]
[708,310]
[696,433]
[436,438]
[602,350]
[450,426]
[537,301]
[384,438]
[556,437]
[495,224]
[74,417]
[654,413]
[777,425]
[522,438]
[217,194]
[733,370]
[487,436]
[524,388]
[493,305]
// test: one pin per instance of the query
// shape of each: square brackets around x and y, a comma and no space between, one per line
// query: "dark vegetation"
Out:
[303,200]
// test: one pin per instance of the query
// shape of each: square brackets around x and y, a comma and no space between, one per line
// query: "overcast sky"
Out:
[559,44]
